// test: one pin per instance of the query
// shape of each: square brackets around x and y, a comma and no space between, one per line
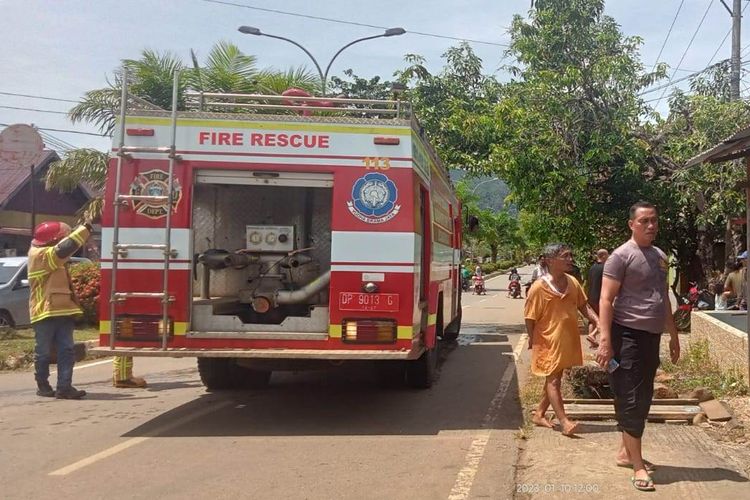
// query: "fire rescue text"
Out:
[264,139]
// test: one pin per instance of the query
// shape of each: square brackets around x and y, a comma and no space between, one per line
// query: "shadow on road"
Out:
[348,400]
[669,474]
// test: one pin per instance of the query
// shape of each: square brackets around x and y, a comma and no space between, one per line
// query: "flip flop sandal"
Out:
[649,466]
[643,484]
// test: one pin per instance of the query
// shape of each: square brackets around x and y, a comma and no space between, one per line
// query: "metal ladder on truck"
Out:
[120,200]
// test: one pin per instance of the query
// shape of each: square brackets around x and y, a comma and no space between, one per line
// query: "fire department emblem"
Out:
[154,183]
[374,199]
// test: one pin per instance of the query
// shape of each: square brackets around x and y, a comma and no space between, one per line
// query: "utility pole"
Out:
[734,91]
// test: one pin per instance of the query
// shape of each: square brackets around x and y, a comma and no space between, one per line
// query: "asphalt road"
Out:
[315,435]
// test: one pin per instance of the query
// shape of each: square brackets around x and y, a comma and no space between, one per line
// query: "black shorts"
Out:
[632,382]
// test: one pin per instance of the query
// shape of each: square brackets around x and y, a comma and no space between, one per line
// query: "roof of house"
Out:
[735,146]
[13,178]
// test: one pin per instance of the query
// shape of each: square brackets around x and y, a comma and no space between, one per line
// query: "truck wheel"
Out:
[217,373]
[454,328]
[420,373]
[248,378]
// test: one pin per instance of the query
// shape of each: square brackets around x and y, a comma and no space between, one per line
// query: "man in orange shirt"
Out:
[551,315]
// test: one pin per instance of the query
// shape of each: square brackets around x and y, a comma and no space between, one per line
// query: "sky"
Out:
[60,49]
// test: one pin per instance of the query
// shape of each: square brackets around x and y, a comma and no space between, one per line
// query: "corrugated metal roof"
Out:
[735,146]
[12,178]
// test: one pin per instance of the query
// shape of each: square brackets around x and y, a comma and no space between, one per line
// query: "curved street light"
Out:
[251,30]
[484,182]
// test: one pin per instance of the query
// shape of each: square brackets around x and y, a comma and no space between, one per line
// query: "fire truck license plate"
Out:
[381,302]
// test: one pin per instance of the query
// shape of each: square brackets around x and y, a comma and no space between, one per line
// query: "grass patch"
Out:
[530,394]
[17,346]
[696,369]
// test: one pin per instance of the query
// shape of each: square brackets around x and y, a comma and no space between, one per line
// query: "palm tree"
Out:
[150,83]
[150,80]
[81,166]
[226,70]
[271,81]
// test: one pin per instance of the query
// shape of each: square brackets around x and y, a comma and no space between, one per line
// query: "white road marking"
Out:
[136,440]
[465,479]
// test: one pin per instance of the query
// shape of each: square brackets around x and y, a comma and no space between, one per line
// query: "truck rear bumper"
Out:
[177,352]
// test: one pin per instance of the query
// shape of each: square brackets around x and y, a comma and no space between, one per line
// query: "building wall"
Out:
[727,345]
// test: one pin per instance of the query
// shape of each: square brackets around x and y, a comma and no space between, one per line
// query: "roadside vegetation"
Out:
[696,369]
[17,346]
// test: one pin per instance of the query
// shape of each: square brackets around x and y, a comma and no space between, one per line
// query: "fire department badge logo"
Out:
[374,199]
[154,183]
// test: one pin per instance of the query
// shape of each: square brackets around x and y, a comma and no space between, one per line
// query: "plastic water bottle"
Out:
[612,365]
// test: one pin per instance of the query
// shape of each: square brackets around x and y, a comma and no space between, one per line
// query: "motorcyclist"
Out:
[513,277]
[478,280]
[537,273]
[465,277]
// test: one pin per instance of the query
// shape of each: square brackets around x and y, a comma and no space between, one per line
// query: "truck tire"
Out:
[247,378]
[420,373]
[454,328]
[217,373]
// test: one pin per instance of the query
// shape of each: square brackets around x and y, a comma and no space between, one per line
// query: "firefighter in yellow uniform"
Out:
[53,304]
[123,373]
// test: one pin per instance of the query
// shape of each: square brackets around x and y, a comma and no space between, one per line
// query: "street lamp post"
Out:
[250,30]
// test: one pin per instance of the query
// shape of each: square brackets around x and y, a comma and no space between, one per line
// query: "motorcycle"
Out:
[695,299]
[514,289]
[479,285]
[465,284]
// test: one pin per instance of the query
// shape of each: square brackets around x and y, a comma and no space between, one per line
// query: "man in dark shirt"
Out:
[634,310]
[594,282]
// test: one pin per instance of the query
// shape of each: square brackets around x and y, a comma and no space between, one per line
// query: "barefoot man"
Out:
[635,310]
[551,314]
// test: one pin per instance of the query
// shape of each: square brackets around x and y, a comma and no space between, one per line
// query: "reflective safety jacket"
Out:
[50,291]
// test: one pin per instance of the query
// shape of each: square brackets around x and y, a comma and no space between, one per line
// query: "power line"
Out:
[669,32]
[67,131]
[727,36]
[55,143]
[38,97]
[35,110]
[353,23]
[65,145]
[690,44]
[722,43]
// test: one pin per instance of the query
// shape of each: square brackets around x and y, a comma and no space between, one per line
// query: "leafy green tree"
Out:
[455,106]
[706,194]
[566,124]
[356,87]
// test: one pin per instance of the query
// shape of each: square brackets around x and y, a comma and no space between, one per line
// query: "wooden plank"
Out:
[678,401]
[715,411]
[604,412]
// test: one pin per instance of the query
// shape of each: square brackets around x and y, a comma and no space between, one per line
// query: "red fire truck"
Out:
[276,232]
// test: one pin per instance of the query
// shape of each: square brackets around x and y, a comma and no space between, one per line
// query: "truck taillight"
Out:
[141,327]
[369,330]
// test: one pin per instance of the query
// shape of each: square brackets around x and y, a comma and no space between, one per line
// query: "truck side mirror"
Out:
[473,223]
[24,283]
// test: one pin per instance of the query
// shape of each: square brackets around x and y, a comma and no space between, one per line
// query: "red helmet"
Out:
[49,232]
